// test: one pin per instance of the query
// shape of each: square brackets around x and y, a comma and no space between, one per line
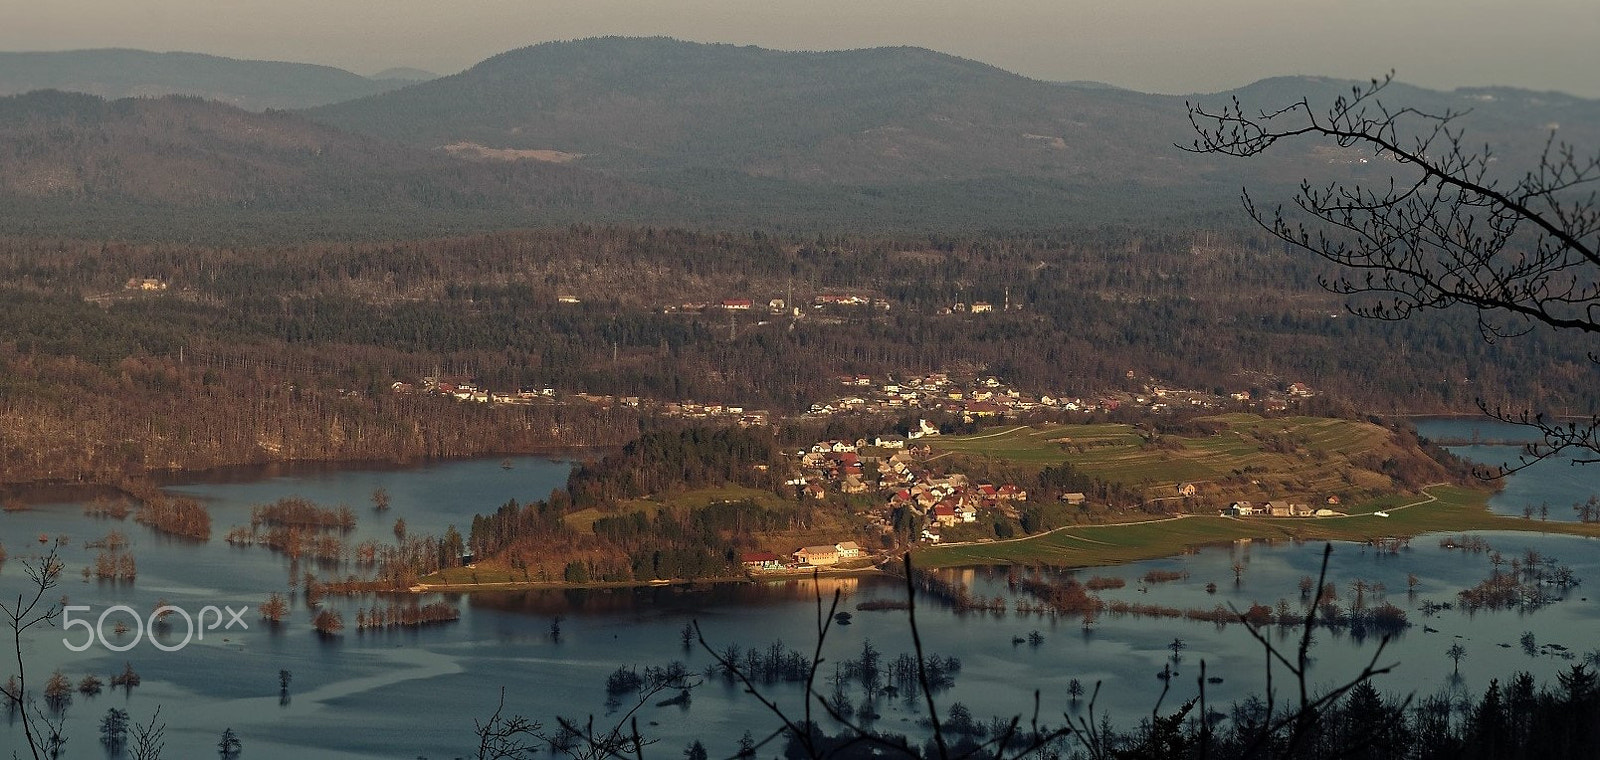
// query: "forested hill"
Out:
[254,85]
[669,133]
[879,116]
[882,115]
[83,153]
[184,168]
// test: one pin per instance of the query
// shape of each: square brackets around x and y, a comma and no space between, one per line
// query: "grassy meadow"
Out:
[1298,456]
[1441,509]
[1301,459]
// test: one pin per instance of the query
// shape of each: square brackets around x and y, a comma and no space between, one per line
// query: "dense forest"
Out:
[253,354]
[1519,719]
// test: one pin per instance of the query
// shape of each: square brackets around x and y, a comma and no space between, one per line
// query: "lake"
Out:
[415,693]
[1554,482]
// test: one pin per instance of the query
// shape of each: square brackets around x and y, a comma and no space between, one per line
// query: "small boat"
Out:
[842,618]
[505,464]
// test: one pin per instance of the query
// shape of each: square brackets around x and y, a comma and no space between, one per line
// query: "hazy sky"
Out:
[1169,46]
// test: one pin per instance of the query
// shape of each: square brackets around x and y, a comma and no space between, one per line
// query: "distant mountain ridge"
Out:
[405,74]
[870,116]
[855,116]
[180,152]
[253,85]
[662,131]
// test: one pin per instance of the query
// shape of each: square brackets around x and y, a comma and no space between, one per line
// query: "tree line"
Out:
[260,353]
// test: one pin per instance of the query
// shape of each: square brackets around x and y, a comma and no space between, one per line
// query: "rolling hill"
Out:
[881,116]
[253,85]
[667,132]
[878,116]
[142,156]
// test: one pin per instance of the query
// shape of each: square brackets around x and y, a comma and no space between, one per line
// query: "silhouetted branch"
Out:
[506,738]
[1446,233]
[25,614]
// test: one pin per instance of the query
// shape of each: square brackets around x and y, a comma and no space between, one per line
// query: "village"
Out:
[466,389]
[893,471]
[981,397]
[973,399]
[887,478]
[895,468]
[968,394]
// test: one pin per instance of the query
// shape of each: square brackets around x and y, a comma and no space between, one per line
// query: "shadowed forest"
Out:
[257,354]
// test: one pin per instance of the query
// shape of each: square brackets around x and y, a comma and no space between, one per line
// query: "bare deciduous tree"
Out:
[149,738]
[31,610]
[1446,229]
[506,738]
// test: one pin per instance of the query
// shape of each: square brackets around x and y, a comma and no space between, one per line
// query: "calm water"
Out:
[416,693]
[1555,482]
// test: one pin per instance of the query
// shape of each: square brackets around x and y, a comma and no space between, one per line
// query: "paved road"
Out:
[1068,527]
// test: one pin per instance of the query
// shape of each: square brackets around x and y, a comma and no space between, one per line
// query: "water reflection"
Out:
[411,692]
[1545,490]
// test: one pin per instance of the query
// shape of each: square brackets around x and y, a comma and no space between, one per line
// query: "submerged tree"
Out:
[1445,230]
[229,745]
[114,730]
[328,622]
[274,609]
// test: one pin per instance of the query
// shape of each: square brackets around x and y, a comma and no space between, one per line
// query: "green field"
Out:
[1253,458]
[1456,509]
[583,520]
[1316,463]
[1036,445]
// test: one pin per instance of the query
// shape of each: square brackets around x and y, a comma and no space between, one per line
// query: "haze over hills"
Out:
[405,74]
[67,158]
[661,131]
[253,85]
[873,116]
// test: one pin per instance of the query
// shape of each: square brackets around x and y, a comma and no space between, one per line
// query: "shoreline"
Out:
[1438,508]
[1446,509]
[58,489]
[755,577]
[256,470]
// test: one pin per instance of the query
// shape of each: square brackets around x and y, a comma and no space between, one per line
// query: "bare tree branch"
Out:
[1443,231]
[27,613]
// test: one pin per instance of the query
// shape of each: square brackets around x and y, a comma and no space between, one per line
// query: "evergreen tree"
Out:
[114,730]
[229,745]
